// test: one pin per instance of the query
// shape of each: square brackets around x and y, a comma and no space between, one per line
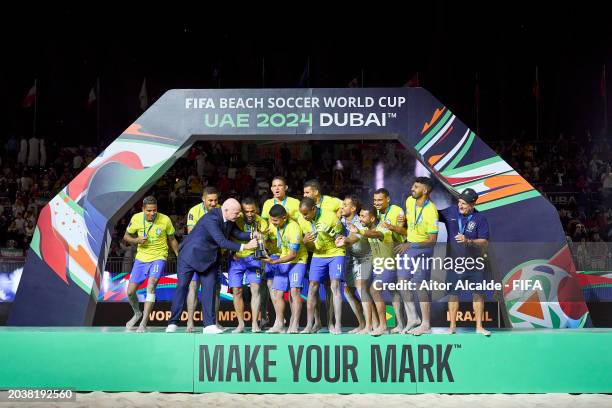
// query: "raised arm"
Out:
[217,235]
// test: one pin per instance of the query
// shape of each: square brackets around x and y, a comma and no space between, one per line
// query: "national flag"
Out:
[92,97]
[30,98]
[603,91]
[536,86]
[477,93]
[305,78]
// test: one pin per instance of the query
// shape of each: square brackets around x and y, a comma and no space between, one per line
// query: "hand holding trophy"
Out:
[260,251]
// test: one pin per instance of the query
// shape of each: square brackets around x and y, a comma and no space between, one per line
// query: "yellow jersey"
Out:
[327,227]
[262,226]
[330,203]
[393,211]
[382,248]
[156,232]
[421,221]
[195,213]
[292,205]
[289,238]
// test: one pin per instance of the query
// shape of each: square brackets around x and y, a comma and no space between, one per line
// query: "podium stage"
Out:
[111,359]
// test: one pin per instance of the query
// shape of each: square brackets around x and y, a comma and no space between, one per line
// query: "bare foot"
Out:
[483,331]
[365,330]
[397,329]
[135,319]
[276,329]
[335,330]
[255,329]
[411,325]
[452,330]
[190,329]
[238,329]
[293,330]
[422,329]
[408,328]
[356,330]
[379,331]
[141,329]
[307,330]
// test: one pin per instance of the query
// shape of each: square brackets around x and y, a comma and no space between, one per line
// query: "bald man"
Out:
[199,254]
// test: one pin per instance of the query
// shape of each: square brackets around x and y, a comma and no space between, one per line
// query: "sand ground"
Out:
[149,400]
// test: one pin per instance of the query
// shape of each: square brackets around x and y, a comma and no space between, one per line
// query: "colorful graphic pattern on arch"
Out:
[61,279]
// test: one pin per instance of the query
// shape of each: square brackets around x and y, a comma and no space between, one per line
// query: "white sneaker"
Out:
[171,328]
[212,329]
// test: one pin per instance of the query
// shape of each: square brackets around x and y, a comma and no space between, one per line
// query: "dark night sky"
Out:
[446,43]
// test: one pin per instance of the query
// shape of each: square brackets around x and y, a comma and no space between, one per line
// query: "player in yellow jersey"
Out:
[279,196]
[210,200]
[312,189]
[415,254]
[327,260]
[245,267]
[289,267]
[153,233]
[390,216]
[383,271]
[358,266]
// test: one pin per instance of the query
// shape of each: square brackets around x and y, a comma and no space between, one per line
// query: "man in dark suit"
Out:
[199,254]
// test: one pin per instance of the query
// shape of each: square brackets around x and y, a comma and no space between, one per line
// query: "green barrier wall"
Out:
[109,359]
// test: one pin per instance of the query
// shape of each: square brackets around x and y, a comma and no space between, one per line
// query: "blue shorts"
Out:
[473,276]
[281,276]
[271,268]
[296,275]
[288,276]
[326,268]
[143,270]
[384,276]
[248,266]
[379,283]
[415,256]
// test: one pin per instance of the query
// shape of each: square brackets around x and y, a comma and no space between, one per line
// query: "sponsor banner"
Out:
[94,359]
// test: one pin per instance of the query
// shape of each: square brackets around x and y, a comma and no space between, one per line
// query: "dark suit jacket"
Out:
[200,249]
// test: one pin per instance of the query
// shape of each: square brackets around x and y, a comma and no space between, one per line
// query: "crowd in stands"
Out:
[574,174]
[32,172]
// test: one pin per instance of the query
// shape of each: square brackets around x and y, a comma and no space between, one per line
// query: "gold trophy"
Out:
[260,251]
